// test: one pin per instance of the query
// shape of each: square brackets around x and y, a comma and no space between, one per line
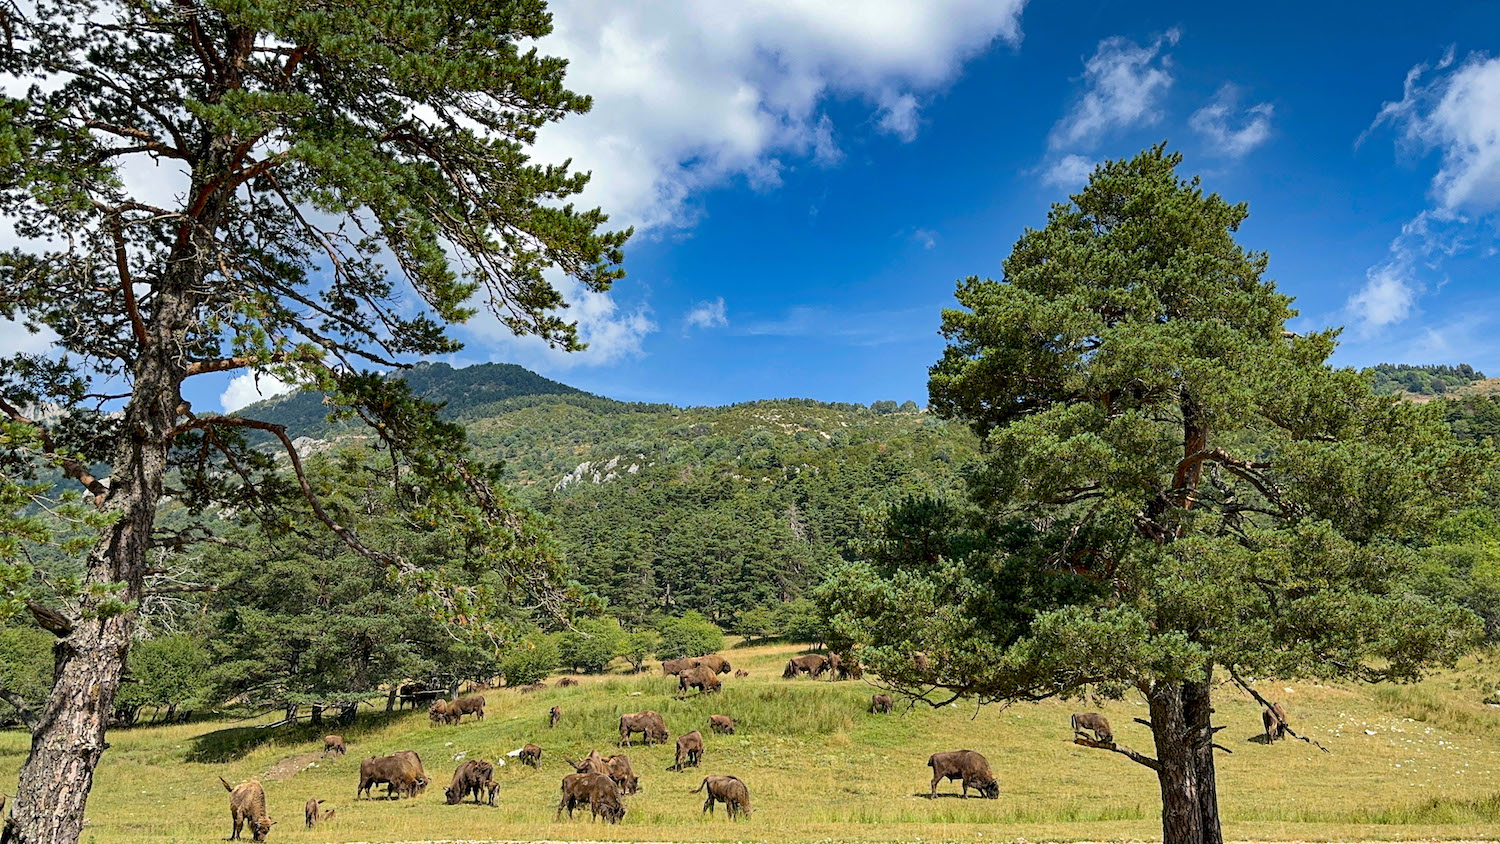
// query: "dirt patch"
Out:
[288,768]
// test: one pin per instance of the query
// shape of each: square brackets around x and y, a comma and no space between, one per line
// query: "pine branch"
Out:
[1133,755]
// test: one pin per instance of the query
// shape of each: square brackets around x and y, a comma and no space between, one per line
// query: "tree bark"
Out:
[1198,710]
[317,715]
[1181,813]
[390,698]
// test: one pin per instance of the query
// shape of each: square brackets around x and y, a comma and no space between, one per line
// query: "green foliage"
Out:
[757,623]
[800,621]
[529,660]
[25,666]
[166,671]
[1474,418]
[1394,379]
[638,647]
[591,645]
[688,635]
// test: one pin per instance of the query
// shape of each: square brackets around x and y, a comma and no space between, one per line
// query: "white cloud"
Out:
[1387,297]
[1070,171]
[16,339]
[1228,131]
[1124,83]
[926,238]
[612,333]
[707,315]
[251,387]
[691,95]
[1458,114]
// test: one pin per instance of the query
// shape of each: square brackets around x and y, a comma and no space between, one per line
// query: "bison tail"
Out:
[700,787]
[227,786]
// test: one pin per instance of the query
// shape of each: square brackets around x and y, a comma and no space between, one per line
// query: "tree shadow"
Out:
[1259,738]
[232,743]
[943,795]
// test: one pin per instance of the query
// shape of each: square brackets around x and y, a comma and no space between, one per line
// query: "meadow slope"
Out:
[1406,763]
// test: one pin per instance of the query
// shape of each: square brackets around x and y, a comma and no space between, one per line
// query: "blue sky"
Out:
[808,180]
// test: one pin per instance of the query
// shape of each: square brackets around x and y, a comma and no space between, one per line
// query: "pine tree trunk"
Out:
[1198,710]
[390,699]
[1181,815]
[317,715]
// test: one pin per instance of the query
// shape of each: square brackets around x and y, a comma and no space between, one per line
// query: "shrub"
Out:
[689,635]
[530,661]
[592,645]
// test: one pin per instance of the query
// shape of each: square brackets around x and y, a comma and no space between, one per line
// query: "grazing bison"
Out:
[554,716]
[247,803]
[689,750]
[849,668]
[648,723]
[700,678]
[441,712]
[713,662]
[623,774]
[1095,723]
[566,682]
[334,744]
[727,790]
[965,765]
[670,667]
[597,791]
[740,672]
[835,665]
[1275,721]
[471,705]
[534,687]
[590,764]
[721,724]
[813,665]
[311,814]
[472,777]
[401,772]
[880,703]
[532,755]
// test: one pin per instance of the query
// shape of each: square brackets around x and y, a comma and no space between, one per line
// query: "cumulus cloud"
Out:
[707,315]
[1228,130]
[1387,297]
[1124,83]
[612,332]
[16,339]
[1070,171]
[1456,112]
[692,95]
[251,387]
[926,238]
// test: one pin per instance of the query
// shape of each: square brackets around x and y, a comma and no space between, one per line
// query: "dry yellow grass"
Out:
[1407,763]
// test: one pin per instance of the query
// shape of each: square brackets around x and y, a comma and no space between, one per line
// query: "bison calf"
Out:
[247,804]
[333,744]
[727,790]
[1095,723]
[531,755]
[1275,721]
[620,770]
[971,768]
[880,703]
[311,814]
[721,724]
[689,750]
[554,716]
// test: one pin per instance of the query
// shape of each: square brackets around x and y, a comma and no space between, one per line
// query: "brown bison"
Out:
[471,705]
[1275,721]
[835,665]
[813,665]
[881,703]
[700,678]
[1095,723]
[247,803]
[311,814]
[727,790]
[414,693]
[566,682]
[401,772]
[689,750]
[623,774]
[721,724]
[334,744]
[713,662]
[740,672]
[441,712]
[648,723]
[472,777]
[670,667]
[849,668]
[532,755]
[590,764]
[596,790]
[534,687]
[554,716]
[965,765]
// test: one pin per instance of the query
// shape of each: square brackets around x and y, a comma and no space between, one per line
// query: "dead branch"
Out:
[1239,681]
[1133,755]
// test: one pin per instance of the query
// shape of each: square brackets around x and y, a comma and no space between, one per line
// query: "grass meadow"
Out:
[1406,762]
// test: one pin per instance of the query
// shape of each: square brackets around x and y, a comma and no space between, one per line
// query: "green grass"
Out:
[820,768]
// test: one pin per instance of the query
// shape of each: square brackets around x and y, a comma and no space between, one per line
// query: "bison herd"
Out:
[600,782]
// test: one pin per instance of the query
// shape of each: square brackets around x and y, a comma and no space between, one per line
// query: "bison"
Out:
[534,687]
[648,723]
[472,777]
[311,814]
[554,716]
[532,755]
[965,765]
[727,790]
[689,750]
[401,772]
[849,668]
[247,803]
[415,693]
[471,705]
[835,666]
[721,724]
[713,662]
[880,703]
[700,678]
[1095,723]
[813,665]
[1274,719]
[740,672]
[596,790]
[441,712]
[590,764]
[623,774]
[334,744]
[566,682]
[670,667]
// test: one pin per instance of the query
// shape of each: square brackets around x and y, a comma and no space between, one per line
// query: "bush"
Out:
[799,621]
[757,623]
[690,635]
[592,645]
[25,666]
[530,661]
[638,647]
